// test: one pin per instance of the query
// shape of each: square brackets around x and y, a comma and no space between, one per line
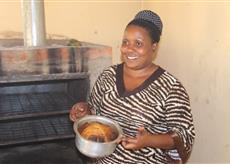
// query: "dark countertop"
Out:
[55,152]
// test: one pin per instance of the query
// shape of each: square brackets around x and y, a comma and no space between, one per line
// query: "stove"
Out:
[38,87]
[40,80]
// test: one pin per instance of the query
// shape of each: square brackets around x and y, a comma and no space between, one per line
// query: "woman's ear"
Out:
[154,46]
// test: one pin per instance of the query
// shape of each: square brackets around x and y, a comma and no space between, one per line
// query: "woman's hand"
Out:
[79,110]
[138,142]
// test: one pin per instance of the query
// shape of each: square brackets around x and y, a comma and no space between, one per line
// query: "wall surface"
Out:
[100,22]
[195,47]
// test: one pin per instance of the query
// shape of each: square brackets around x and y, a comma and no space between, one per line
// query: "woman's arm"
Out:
[180,121]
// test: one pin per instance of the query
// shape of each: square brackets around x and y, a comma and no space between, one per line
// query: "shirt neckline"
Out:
[120,81]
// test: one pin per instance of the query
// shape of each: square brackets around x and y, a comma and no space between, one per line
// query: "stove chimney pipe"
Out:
[34,23]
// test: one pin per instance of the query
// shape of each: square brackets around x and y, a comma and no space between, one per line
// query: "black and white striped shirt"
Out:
[161,104]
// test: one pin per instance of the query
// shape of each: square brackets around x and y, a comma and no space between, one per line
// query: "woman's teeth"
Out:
[132,57]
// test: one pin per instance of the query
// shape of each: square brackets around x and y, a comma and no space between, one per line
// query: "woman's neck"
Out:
[135,78]
[138,73]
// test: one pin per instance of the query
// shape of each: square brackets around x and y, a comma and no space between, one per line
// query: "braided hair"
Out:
[150,21]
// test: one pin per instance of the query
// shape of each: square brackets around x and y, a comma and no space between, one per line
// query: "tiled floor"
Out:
[58,152]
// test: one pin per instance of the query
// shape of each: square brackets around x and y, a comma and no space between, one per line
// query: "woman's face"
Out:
[137,48]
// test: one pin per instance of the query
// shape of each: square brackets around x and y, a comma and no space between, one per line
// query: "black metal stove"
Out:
[38,86]
[36,95]
[37,110]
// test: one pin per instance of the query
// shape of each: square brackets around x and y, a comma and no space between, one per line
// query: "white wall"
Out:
[195,47]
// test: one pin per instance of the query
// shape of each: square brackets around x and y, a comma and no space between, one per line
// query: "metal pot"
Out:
[96,149]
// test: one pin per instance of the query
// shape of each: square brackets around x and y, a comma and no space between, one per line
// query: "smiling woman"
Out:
[137,53]
[151,105]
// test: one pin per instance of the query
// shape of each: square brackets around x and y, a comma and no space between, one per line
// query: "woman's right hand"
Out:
[79,110]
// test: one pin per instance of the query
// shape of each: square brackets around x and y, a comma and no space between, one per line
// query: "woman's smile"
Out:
[132,57]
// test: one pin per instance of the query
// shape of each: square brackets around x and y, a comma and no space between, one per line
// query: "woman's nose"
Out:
[129,48]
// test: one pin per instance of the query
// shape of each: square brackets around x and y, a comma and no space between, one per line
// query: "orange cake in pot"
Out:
[96,131]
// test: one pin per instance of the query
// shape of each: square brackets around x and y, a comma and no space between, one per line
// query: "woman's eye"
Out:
[138,44]
[125,43]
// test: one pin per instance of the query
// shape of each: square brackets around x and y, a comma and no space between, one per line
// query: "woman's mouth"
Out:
[132,57]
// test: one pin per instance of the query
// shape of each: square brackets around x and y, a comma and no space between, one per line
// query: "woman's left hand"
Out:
[138,142]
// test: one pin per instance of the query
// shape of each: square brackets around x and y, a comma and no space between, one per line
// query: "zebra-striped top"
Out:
[161,104]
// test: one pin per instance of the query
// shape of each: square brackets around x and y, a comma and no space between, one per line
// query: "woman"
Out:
[151,105]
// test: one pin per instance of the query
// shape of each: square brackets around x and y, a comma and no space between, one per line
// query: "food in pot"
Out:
[98,132]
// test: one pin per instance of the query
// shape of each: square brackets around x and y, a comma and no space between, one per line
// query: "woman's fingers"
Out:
[80,107]
[136,142]
[141,131]
[129,143]
[73,115]
[78,110]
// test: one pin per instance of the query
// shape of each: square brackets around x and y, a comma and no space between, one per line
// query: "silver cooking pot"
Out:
[96,149]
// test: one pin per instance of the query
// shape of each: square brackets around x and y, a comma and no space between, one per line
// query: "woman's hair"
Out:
[149,27]
[150,21]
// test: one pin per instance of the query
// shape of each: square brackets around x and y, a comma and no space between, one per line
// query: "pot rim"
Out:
[87,117]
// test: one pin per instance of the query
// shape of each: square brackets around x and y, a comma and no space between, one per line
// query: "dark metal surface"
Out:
[51,152]
[40,84]
[34,130]
[14,106]
[10,79]
[36,111]
[42,60]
